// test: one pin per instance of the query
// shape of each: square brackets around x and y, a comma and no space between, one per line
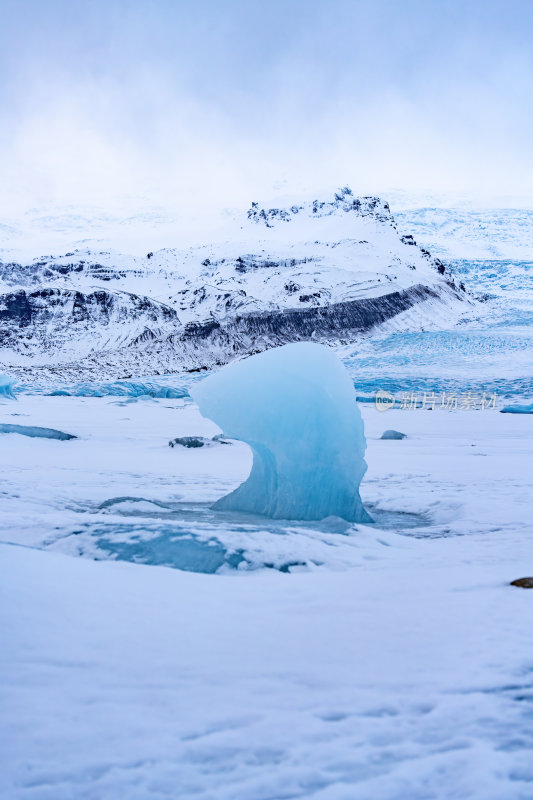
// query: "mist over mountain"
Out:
[203,105]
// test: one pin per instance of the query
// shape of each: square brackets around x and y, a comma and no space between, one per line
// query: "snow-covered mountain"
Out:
[55,324]
[324,270]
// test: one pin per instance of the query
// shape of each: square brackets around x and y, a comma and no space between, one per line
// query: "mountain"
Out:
[61,325]
[331,270]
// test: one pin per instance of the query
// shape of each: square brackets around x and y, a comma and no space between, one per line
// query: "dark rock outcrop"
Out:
[523,583]
[54,320]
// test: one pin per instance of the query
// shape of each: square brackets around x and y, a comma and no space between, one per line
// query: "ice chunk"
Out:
[518,409]
[296,407]
[36,432]
[392,434]
[6,387]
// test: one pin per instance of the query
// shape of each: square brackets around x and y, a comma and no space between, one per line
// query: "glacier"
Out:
[122,388]
[295,406]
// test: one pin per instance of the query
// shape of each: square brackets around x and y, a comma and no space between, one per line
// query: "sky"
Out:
[220,102]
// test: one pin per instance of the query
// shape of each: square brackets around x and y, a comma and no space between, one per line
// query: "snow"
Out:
[157,646]
[161,684]
[392,663]
[295,406]
[61,324]
[343,253]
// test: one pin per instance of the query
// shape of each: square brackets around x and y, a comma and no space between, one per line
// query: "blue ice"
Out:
[518,409]
[36,432]
[6,387]
[158,389]
[131,389]
[295,406]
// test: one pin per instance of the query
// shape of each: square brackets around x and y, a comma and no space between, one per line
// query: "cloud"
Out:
[189,103]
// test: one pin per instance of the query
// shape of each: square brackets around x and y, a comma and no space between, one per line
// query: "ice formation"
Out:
[133,389]
[392,434]
[6,387]
[295,406]
[36,433]
[518,409]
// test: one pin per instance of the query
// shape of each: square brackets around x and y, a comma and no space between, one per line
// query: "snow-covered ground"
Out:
[154,647]
[389,661]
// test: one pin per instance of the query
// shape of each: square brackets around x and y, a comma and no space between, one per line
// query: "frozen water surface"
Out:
[198,538]
[329,660]
[323,659]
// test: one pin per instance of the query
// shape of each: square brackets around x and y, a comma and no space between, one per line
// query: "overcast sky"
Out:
[225,100]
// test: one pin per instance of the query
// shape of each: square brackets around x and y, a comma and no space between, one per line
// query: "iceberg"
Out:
[295,406]
[392,434]
[518,409]
[6,387]
[36,432]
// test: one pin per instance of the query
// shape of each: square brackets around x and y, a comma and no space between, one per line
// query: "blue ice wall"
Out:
[296,407]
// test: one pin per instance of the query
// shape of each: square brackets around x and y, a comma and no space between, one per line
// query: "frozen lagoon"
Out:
[383,663]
